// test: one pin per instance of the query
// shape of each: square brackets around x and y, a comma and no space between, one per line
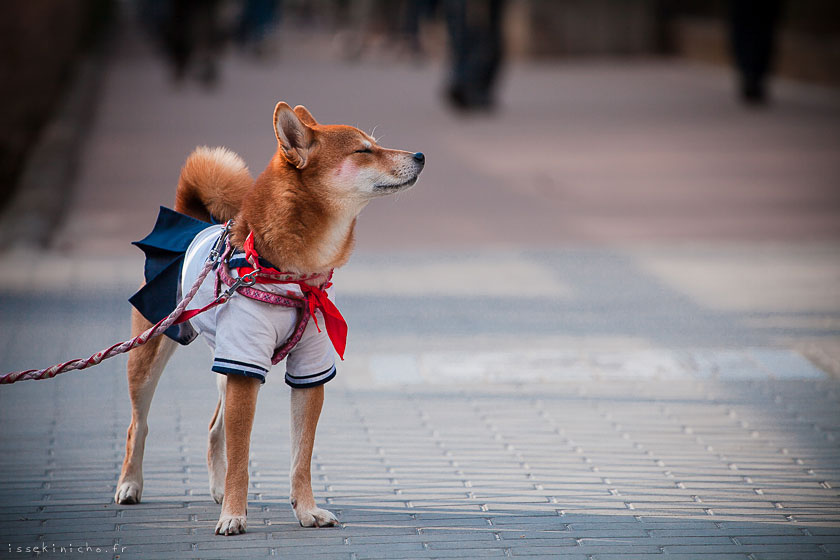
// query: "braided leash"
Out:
[122,347]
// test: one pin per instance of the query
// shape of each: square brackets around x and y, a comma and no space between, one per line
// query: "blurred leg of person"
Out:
[257,21]
[193,39]
[752,36]
[415,12]
[209,41]
[357,22]
[179,36]
[476,46]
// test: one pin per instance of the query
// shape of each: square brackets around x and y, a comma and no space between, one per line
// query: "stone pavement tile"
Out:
[154,548]
[541,520]
[250,542]
[427,553]
[674,523]
[146,530]
[480,528]
[302,553]
[589,550]
[544,538]
[375,550]
[786,539]
[227,554]
[570,555]
[359,515]
[724,529]
[441,538]
[800,555]
[755,549]
[465,545]
[814,519]
[544,543]
[19,513]
[677,555]
[132,538]
[383,530]
[294,535]
[71,525]
[410,526]
[153,511]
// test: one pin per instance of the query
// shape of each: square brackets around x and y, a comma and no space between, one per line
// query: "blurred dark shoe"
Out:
[456,98]
[208,74]
[465,101]
[753,92]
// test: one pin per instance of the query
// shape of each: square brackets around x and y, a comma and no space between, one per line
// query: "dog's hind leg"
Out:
[145,364]
[216,459]
[306,409]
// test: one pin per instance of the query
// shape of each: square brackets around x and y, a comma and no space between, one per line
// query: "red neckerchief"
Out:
[316,297]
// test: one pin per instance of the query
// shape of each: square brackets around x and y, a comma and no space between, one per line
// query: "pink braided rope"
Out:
[119,348]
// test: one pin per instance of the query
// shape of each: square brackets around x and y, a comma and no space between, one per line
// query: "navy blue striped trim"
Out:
[231,371]
[310,376]
[312,384]
[234,362]
[238,259]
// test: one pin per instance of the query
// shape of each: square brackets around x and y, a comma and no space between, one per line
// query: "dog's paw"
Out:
[230,525]
[217,483]
[128,493]
[217,491]
[315,517]
[216,468]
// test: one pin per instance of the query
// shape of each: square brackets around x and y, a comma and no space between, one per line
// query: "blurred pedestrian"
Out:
[190,34]
[257,21]
[414,13]
[368,27]
[752,34]
[476,47]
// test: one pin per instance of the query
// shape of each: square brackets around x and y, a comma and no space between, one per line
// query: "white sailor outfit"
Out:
[244,333]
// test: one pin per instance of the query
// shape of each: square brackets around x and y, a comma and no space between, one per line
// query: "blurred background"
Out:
[609,119]
[664,172]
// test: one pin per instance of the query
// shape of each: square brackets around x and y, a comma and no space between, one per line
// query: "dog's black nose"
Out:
[419,157]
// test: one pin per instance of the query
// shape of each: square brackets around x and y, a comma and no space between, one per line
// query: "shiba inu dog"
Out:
[299,217]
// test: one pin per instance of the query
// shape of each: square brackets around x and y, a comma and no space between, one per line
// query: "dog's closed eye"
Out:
[363,151]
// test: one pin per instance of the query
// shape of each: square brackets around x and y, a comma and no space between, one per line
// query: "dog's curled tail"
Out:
[213,183]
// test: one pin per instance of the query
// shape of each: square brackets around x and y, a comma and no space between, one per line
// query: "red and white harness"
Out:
[314,297]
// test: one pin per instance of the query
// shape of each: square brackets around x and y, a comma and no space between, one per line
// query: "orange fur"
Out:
[213,182]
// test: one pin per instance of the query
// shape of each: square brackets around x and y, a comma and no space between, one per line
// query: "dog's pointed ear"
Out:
[294,138]
[305,116]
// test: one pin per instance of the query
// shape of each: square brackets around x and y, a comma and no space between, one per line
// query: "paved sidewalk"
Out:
[499,444]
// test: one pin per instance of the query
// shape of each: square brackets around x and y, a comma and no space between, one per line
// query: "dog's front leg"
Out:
[240,404]
[306,409]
